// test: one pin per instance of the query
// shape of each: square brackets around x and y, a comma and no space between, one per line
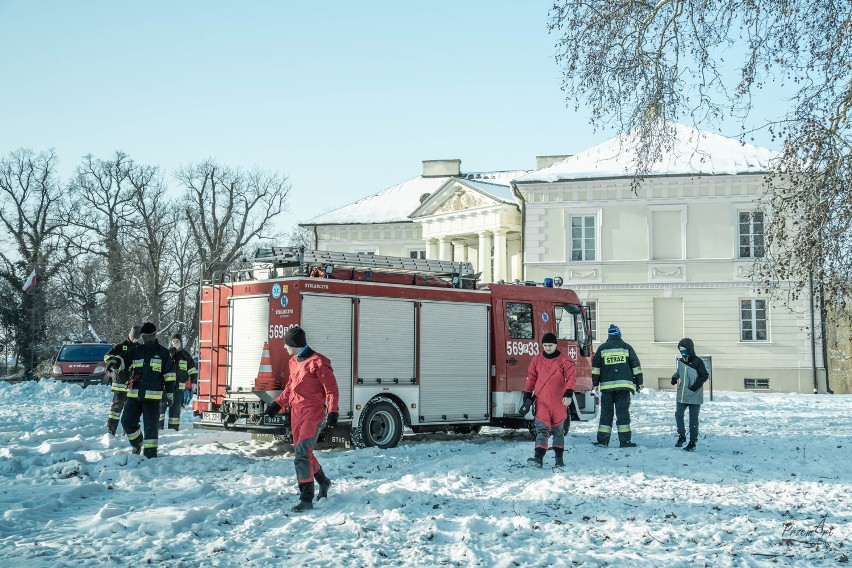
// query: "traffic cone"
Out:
[265,378]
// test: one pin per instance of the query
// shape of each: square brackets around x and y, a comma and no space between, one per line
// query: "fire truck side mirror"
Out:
[585,335]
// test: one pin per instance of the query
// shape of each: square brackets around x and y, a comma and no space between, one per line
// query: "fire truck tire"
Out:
[380,425]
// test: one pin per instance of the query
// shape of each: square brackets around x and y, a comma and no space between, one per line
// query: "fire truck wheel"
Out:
[380,425]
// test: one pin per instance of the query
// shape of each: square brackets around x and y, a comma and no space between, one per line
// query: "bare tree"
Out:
[640,65]
[105,208]
[30,208]
[229,209]
[183,274]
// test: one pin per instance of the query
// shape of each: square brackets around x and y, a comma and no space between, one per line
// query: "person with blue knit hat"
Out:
[616,374]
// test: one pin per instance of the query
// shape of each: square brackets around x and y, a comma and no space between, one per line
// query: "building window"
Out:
[753,320]
[583,237]
[519,320]
[593,318]
[756,384]
[418,254]
[751,244]
[367,252]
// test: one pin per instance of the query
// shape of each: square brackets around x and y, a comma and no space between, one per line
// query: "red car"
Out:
[83,363]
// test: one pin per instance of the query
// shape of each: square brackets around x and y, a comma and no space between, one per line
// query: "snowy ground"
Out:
[769,485]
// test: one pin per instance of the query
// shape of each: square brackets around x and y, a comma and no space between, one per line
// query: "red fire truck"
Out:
[414,343]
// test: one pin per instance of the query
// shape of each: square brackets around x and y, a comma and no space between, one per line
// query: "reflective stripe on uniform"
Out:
[637,371]
[596,370]
[174,421]
[134,435]
[114,415]
[623,428]
[615,356]
[133,393]
[149,444]
[137,363]
[183,365]
[604,429]
[193,371]
[169,377]
[119,387]
[157,395]
[609,385]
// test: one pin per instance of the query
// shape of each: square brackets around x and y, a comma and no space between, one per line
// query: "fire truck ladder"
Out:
[461,274]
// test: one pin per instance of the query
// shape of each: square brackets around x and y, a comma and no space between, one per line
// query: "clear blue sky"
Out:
[344,97]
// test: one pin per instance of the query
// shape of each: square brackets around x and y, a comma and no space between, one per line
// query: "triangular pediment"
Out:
[455,196]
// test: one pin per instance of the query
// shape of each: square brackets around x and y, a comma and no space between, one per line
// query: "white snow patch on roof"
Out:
[396,203]
[694,152]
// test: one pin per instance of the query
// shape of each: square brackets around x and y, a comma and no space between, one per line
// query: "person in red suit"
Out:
[310,398]
[551,378]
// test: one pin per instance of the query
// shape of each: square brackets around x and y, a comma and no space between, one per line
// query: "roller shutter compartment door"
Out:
[249,331]
[454,362]
[385,341]
[327,321]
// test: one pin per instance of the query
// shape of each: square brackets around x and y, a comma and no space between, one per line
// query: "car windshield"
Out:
[83,353]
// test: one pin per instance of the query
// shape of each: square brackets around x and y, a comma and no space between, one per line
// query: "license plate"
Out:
[211,416]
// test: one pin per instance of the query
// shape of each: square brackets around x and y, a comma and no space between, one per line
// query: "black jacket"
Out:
[152,372]
[184,367]
[616,366]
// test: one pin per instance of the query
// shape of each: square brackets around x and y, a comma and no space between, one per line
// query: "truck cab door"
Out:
[520,344]
[574,337]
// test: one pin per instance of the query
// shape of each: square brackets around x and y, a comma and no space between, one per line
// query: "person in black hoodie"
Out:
[152,379]
[691,374]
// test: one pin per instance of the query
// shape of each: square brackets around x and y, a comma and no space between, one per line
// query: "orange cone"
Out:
[265,378]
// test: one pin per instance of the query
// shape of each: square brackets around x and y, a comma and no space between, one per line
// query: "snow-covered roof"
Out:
[396,203]
[693,152]
[393,204]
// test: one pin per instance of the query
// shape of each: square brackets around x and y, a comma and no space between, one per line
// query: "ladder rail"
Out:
[295,256]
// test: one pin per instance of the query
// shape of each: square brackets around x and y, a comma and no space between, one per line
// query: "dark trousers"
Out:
[693,420]
[149,411]
[614,402]
[118,398]
[173,411]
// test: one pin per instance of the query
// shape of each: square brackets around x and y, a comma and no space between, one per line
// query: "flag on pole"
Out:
[31,282]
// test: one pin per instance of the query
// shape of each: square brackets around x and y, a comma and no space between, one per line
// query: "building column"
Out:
[499,255]
[444,249]
[459,251]
[483,256]
[431,249]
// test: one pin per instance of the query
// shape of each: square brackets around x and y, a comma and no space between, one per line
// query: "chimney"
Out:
[542,162]
[440,168]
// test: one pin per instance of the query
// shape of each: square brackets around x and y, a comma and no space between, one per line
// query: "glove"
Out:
[695,387]
[527,404]
[568,395]
[331,420]
[112,365]
[272,409]
[674,379]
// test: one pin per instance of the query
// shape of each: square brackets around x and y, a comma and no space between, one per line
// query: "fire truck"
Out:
[414,343]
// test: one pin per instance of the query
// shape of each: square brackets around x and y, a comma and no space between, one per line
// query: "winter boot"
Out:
[538,459]
[690,447]
[559,461]
[303,506]
[112,428]
[680,441]
[324,484]
[628,444]
[602,444]
[136,449]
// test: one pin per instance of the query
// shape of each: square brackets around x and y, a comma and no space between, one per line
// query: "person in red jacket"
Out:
[551,378]
[310,398]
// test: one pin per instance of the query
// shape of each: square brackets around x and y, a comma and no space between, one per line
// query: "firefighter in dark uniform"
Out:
[185,371]
[119,380]
[152,379]
[618,375]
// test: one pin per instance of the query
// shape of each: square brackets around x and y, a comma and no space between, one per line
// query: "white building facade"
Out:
[668,262]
